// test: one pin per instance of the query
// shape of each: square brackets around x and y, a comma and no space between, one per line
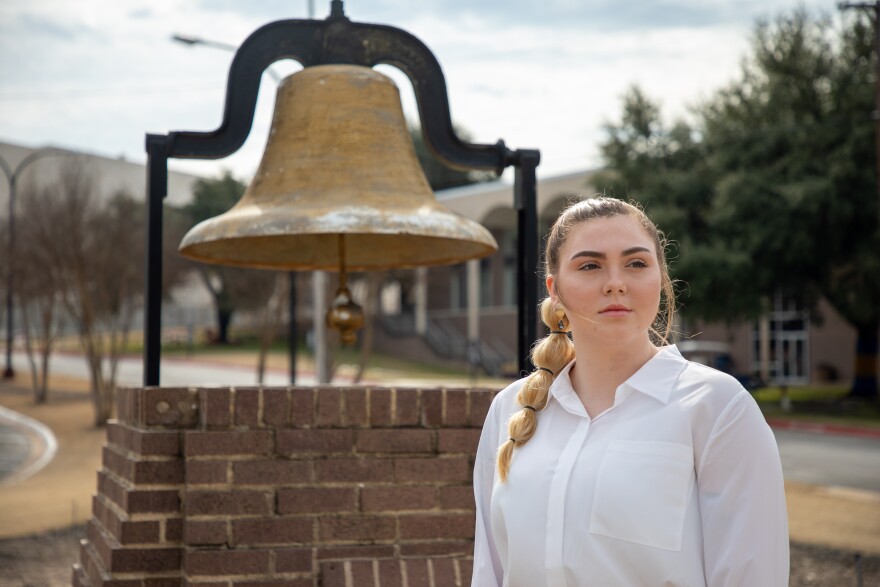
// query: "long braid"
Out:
[549,356]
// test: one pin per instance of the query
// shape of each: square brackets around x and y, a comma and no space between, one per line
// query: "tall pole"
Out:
[12,176]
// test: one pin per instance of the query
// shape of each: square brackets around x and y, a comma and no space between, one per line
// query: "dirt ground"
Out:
[42,517]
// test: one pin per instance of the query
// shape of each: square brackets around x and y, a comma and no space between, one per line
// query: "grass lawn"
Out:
[823,404]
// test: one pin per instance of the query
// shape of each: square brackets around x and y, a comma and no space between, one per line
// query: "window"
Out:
[788,343]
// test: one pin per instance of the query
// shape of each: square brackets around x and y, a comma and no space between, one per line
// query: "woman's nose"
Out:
[615,283]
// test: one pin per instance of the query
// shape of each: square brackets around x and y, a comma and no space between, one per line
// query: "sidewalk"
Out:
[60,494]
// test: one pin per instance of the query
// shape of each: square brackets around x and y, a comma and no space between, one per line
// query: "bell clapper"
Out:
[345,316]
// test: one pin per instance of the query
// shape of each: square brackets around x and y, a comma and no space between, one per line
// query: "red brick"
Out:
[380,407]
[156,442]
[157,472]
[417,572]
[226,562]
[152,560]
[443,571]
[247,406]
[124,530]
[333,575]
[457,497]
[293,560]
[174,529]
[271,472]
[391,575]
[432,407]
[126,408]
[455,407]
[355,407]
[458,440]
[141,502]
[116,463]
[168,406]
[301,582]
[198,472]
[450,470]
[374,551]
[204,584]
[390,499]
[481,399]
[302,407]
[361,573]
[228,503]
[162,582]
[394,440]
[466,570]
[357,528]
[329,408]
[200,533]
[407,407]
[311,500]
[347,470]
[424,526]
[305,441]
[276,406]
[251,532]
[434,548]
[248,442]
[216,408]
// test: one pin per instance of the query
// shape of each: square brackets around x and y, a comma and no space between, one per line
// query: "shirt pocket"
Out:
[642,492]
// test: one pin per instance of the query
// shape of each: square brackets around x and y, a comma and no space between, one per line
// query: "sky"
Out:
[97,75]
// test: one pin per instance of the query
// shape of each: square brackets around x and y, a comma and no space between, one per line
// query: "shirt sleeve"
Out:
[487,564]
[742,501]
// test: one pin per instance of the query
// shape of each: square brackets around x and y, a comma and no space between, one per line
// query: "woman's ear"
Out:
[551,289]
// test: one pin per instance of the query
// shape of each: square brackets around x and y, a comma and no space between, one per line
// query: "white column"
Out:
[473,300]
[421,295]
[473,315]
[319,325]
[764,346]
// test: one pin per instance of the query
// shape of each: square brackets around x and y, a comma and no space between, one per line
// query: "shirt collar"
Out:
[656,378]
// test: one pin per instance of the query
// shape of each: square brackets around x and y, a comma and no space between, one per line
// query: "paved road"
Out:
[172,372]
[830,459]
[14,449]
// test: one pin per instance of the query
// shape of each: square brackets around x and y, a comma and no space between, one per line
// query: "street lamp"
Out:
[12,175]
[338,41]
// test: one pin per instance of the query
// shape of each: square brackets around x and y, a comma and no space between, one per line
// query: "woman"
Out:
[617,463]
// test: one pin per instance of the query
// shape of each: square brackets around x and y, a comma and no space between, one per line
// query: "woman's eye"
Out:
[589,266]
[637,263]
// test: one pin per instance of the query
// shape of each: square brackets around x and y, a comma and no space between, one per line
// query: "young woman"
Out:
[618,463]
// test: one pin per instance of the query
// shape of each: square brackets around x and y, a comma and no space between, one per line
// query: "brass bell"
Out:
[339,161]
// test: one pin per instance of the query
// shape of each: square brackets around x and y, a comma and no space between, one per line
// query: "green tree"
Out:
[231,288]
[772,186]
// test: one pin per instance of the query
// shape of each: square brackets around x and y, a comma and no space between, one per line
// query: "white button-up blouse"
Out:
[679,484]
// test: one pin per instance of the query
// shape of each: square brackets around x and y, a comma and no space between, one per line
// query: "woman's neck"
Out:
[601,368]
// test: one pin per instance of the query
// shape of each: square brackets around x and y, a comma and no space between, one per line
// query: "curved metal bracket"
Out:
[338,40]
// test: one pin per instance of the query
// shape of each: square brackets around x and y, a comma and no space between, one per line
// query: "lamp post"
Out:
[337,40]
[12,175]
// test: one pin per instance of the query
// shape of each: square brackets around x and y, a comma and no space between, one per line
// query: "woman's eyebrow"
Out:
[598,255]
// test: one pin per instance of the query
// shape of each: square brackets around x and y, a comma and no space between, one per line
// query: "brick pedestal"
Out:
[285,487]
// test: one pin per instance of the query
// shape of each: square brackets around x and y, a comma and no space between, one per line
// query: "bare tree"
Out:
[93,255]
[38,296]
